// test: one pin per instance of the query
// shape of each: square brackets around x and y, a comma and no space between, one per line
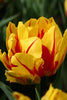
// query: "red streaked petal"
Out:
[17,46]
[7,65]
[48,38]
[23,61]
[24,78]
[30,46]
[40,35]
[10,27]
[48,58]
[31,22]
[24,65]
[14,77]
[5,60]
[53,50]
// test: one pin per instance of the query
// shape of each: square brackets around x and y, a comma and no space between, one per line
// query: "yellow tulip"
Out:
[54,94]
[20,96]
[51,94]
[65,7]
[35,49]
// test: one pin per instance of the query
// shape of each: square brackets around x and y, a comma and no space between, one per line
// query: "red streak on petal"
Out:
[12,65]
[46,21]
[29,23]
[39,72]
[7,58]
[48,60]
[12,52]
[8,66]
[16,36]
[17,96]
[56,64]
[24,65]
[51,20]
[10,27]
[30,46]
[53,50]
[42,33]
[45,53]
[19,78]
[17,47]
[38,33]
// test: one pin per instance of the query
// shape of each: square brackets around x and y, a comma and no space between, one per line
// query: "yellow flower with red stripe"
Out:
[54,94]
[20,96]
[51,94]
[35,49]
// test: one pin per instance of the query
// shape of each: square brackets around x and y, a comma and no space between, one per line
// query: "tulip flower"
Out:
[65,7]
[35,49]
[51,94]
[54,94]
[20,96]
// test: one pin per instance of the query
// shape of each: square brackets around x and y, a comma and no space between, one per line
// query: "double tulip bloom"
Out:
[35,49]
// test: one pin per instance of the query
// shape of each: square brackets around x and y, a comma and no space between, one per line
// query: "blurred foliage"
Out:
[7,91]
[22,10]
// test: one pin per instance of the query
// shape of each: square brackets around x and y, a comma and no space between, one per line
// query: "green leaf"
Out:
[7,91]
[37,91]
[5,21]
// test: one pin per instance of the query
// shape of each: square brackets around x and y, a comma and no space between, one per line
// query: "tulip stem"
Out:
[37,91]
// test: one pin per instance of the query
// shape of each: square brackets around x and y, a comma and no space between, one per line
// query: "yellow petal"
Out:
[48,38]
[33,31]
[43,26]
[43,23]
[32,27]
[4,59]
[26,66]
[12,42]
[24,61]
[53,23]
[31,22]
[24,78]
[11,45]
[63,48]
[20,96]
[22,31]
[58,34]
[33,46]
[54,94]
[10,29]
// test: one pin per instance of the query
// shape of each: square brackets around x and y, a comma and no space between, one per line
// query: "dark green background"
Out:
[22,10]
